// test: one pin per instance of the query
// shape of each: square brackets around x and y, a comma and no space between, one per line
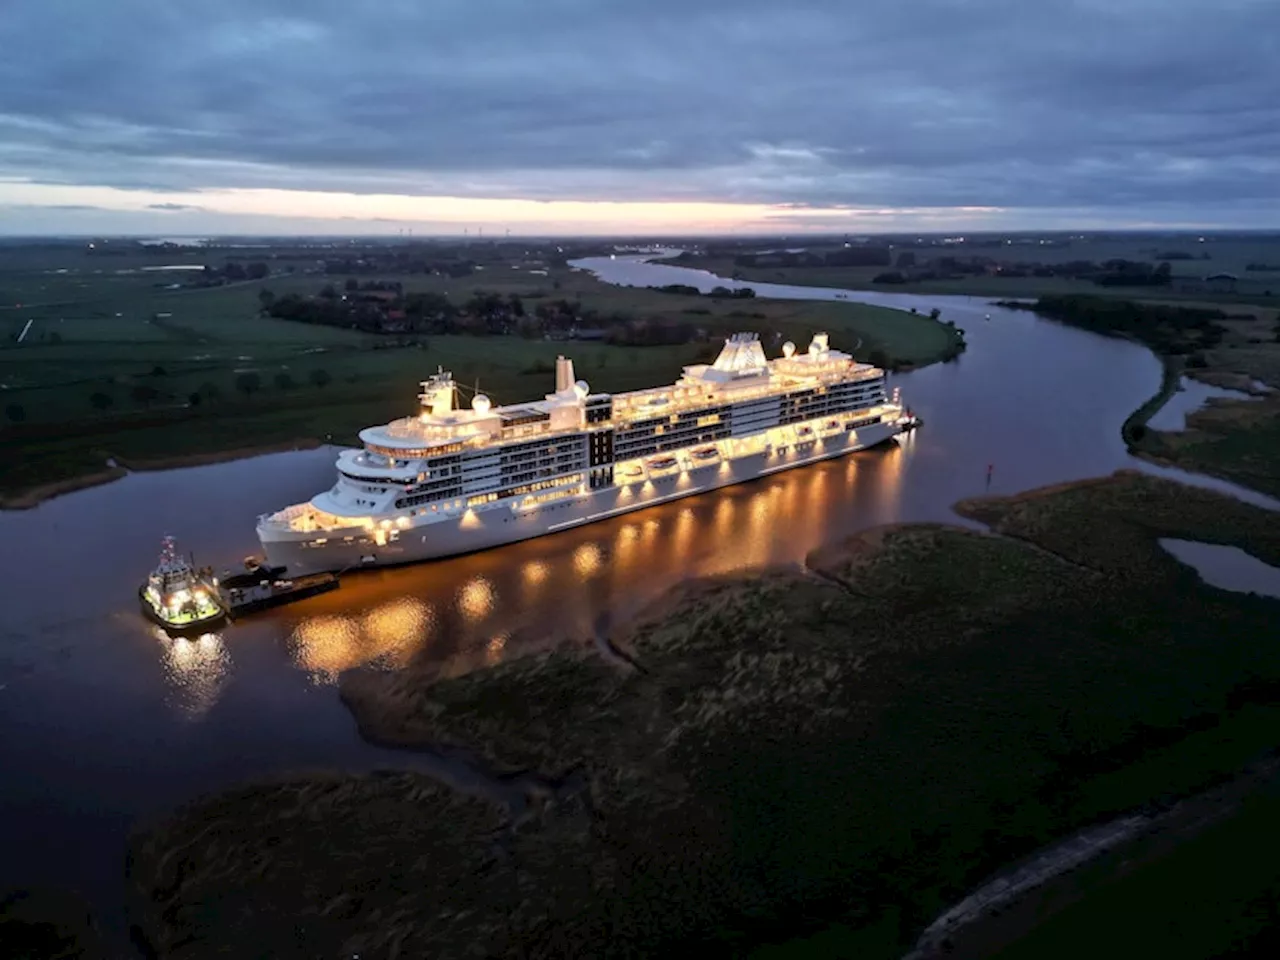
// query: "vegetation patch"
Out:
[857,743]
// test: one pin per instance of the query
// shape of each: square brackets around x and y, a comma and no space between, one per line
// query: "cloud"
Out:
[1150,108]
[173,206]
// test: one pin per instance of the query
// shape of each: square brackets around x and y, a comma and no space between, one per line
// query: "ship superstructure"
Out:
[451,480]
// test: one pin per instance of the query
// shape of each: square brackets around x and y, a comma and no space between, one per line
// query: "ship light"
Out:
[402,523]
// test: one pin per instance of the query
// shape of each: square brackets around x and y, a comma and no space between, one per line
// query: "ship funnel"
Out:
[564,374]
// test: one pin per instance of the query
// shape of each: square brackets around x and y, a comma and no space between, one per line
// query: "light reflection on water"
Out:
[195,669]
[469,610]
[475,600]
[494,649]
[387,635]
[586,560]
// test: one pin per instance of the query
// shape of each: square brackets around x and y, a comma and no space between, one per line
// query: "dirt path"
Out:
[1013,903]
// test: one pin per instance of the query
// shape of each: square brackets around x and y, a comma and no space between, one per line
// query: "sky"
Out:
[193,117]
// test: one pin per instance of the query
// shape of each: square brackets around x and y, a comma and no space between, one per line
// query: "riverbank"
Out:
[860,742]
[31,497]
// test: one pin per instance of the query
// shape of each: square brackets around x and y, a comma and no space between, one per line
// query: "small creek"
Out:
[1227,568]
[1192,395]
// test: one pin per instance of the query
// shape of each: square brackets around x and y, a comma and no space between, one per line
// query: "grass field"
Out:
[110,364]
[858,745]
[1227,254]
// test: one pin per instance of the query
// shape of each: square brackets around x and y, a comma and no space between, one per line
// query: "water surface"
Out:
[1227,568]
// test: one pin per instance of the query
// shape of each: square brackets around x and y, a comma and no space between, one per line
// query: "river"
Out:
[106,722]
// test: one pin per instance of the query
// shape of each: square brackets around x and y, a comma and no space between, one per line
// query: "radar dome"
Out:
[788,349]
[581,389]
[481,404]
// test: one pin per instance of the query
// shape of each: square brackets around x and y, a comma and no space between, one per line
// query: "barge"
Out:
[262,587]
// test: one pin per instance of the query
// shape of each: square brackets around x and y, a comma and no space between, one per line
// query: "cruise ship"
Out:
[451,480]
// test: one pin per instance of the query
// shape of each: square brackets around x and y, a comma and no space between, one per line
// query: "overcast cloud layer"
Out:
[1055,112]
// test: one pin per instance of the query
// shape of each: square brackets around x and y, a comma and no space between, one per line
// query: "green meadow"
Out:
[116,365]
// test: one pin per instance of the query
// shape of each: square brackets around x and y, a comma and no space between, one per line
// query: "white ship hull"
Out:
[498,523]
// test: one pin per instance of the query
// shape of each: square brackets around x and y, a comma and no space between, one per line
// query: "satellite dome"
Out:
[480,404]
[788,349]
[581,389]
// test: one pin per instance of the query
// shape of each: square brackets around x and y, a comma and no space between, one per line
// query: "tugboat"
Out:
[177,598]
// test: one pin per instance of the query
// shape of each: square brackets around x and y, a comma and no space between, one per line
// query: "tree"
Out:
[328,292]
[55,337]
[210,391]
[257,271]
[935,313]
[248,383]
[266,298]
[101,401]
[319,378]
[15,412]
[194,399]
[906,258]
[878,358]
[351,285]
[284,381]
[158,371]
[143,394]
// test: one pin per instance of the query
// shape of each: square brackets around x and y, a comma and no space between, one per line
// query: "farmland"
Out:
[116,363]
[1192,259]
